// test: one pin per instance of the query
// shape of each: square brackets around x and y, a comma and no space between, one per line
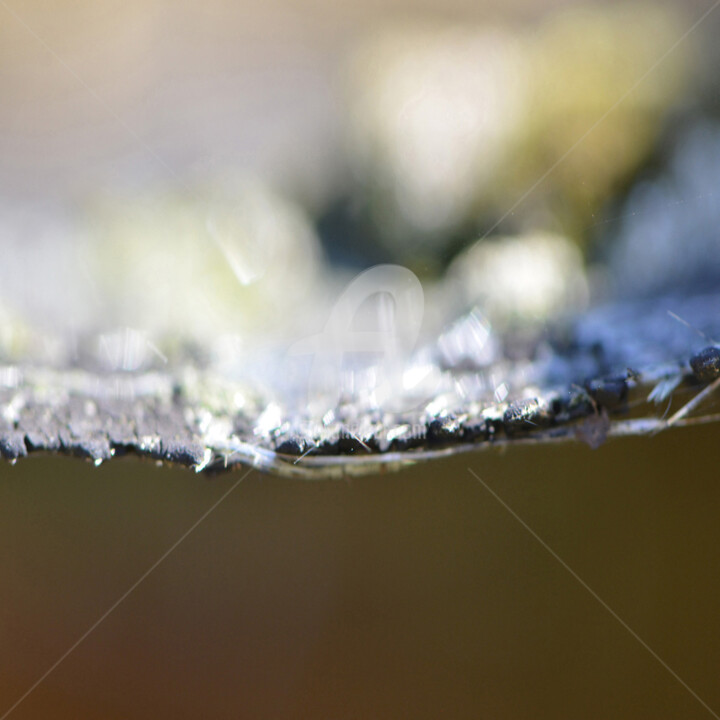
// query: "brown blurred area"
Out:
[413,595]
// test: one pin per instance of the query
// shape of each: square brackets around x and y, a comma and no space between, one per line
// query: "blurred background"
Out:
[204,169]
[213,168]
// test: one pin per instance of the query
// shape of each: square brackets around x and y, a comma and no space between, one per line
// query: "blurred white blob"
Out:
[526,278]
[432,113]
[268,420]
[238,259]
